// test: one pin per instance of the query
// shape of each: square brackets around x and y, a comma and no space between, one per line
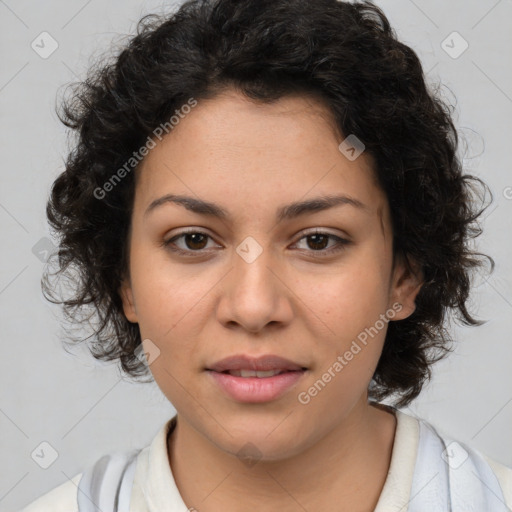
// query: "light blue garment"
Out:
[452,477]
[448,477]
[107,485]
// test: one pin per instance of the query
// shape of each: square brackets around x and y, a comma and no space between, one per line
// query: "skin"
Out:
[252,158]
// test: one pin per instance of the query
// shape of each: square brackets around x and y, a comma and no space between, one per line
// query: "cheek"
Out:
[168,311]
[348,349]
[346,306]
[348,299]
[172,306]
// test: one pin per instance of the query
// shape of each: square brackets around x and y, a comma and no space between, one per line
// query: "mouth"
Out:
[259,366]
[255,380]
[256,389]
[258,374]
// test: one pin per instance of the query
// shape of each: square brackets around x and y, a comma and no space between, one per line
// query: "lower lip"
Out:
[255,389]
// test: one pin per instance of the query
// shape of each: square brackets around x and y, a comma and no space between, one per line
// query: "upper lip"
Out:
[262,363]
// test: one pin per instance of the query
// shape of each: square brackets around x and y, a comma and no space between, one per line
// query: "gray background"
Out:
[85,409]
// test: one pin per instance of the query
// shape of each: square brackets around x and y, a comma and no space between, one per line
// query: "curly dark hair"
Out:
[345,54]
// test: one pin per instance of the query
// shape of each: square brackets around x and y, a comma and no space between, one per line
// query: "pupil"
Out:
[317,237]
[194,237]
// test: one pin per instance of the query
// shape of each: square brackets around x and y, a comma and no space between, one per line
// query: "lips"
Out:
[255,379]
[255,373]
[249,365]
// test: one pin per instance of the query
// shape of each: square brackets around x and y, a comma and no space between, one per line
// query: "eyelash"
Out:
[342,242]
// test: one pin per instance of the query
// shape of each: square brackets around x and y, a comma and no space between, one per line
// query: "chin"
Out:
[260,441]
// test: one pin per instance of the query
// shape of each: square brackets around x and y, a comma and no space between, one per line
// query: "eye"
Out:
[318,241]
[195,242]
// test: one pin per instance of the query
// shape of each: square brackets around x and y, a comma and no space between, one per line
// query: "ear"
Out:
[126,293]
[406,282]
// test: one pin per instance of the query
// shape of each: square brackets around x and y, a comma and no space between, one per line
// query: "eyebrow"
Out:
[286,212]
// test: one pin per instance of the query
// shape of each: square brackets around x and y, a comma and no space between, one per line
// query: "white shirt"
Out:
[154,488]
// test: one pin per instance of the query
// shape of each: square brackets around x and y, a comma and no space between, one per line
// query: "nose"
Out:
[254,293]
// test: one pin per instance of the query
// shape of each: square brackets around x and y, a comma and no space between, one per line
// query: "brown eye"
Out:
[190,242]
[318,242]
[195,240]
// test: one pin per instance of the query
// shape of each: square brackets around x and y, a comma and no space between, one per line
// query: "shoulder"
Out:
[106,483]
[470,476]
[59,499]
[504,475]
[124,471]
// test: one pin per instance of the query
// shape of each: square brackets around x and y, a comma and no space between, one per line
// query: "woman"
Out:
[267,212]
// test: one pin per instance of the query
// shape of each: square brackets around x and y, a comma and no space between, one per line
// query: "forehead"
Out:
[244,154]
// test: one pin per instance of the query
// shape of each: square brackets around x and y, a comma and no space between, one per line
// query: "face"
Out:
[305,284]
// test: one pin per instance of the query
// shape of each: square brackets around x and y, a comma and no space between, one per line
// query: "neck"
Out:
[348,465]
